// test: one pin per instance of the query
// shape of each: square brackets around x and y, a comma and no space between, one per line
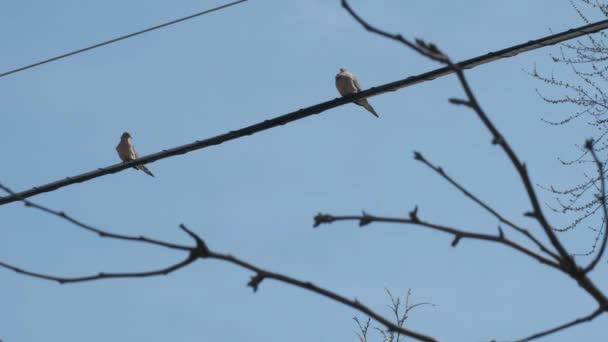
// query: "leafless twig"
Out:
[577,321]
[602,200]
[418,156]
[458,234]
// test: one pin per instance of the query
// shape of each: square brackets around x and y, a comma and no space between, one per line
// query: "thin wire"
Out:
[120,38]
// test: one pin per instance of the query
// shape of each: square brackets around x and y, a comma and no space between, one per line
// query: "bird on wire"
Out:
[348,84]
[126,152]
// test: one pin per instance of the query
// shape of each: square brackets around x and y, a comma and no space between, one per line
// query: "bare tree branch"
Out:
[431,51]
[418,156]
[567,263]
[585,59]
[400,314]
[261,274]
[458,234]
[602,200]
[201,251]
[101,233]
[101,275]
[577,321]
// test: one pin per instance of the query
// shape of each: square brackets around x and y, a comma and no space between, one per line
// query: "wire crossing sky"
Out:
[117,39]
[315,109]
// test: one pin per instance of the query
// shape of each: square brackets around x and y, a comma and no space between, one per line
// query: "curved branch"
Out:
[101,275]
[602,200]
[262,274]
[577,321]
[100,232]
[418,156]
[431,51]
[200,250]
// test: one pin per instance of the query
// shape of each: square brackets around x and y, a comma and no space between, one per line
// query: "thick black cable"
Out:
[312,110]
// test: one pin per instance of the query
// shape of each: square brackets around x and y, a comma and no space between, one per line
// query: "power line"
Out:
[315,109]
[107,42]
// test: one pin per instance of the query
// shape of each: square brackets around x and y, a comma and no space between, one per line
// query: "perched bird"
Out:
[126,152]
[348,84]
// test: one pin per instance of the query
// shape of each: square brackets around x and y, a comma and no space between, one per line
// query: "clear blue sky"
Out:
[256,197]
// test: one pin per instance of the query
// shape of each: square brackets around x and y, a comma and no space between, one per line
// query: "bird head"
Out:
[125,135]
[343,70]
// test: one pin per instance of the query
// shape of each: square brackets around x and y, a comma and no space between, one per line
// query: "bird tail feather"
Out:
[144,169]
[363,103]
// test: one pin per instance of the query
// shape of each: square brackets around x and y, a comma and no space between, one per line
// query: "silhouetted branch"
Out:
[586,59]
[566,262]
[101,275]
[200,251]
[318,108]
[261,275]
[418,156]
[458,234]
[431,51]
[602,200]
[102,233]
[363,328]
[400,313]
[577,321]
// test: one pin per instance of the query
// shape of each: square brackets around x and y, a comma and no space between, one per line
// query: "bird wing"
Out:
[132,150]
[356,83]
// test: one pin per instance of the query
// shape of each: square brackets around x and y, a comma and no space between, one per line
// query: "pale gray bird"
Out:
[348,84]
[126,152]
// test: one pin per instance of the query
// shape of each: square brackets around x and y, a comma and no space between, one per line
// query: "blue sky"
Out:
[256,197]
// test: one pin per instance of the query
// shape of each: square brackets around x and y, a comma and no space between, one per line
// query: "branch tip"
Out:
[414,215]
[365,219]
[459,102]
[255,281]
[498,140]
[201,250]
[321,219]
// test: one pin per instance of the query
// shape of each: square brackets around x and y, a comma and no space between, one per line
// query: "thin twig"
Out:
[456,233]
[101,275]
[261,274]
[87,227]
[577,321]
[602,199]
[418,156]
[201,251]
